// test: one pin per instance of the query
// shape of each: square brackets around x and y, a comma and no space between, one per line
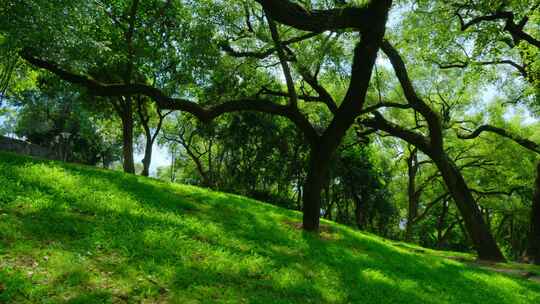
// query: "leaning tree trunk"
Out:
[147,159]
[533,250]
[147,155]
[477,229]
[127,138]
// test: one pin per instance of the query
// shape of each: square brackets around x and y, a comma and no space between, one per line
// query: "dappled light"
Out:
[269,151]
[92,235]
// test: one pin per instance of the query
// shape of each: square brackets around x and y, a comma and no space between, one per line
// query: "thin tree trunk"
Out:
[145,120]
[300,196]
[412,212]
[443,241]
[440,224]
[199,165]
[358,211]
[173,164]
[147,154]
[328,211]
[327,197]
[210,176]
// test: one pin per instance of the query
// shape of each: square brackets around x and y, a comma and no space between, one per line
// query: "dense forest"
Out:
[413,120]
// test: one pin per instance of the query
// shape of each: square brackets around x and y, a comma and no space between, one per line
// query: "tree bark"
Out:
[150,138]
[147,155]
[323,149]
[440,225]
[359,211]
[433,146]
[313,186]
[477,228]
[173,164]
[127,136]
[147,159]
[533,250]
[412,164]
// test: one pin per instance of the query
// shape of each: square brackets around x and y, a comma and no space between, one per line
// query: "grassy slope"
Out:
[71,234]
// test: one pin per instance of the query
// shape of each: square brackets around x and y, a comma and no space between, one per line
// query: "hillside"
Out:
[73,234]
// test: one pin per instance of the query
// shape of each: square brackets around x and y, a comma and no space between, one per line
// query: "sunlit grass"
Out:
[72,234]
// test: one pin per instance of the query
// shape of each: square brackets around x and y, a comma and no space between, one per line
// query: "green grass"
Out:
[74,234]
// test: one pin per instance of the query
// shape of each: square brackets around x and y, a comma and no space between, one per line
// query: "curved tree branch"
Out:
[515,30]
[464,64]
[526,143]
[491,17]
[429,206]
[294,15]
[383,104]
[432,118]
[306,98]
[167,102]
[293,97]
[510,192]
[380,123]
[324,95]
[226,47]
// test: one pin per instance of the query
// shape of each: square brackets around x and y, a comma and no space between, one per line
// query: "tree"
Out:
[488,40]
[433,146]
[54,109]
[357,178]
[186,135]
[369,21]
[114,42]
[533,251]
[415,191]
[143,111]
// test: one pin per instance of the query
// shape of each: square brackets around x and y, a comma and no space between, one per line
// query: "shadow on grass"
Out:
[182,244]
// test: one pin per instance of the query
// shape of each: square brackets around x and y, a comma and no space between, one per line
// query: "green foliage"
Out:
[359,184]
[80,235]
[250,154]
[43,114]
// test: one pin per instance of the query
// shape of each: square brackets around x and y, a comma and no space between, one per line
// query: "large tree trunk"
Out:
[533,250]
[322,151]
[127,136]
[477,229]
[313,186]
